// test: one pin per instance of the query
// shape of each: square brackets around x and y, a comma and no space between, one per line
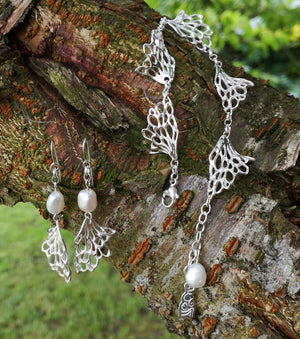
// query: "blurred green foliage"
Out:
[262,36]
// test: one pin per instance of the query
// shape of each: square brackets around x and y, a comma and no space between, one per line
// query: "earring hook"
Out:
[86,151]
[53,153]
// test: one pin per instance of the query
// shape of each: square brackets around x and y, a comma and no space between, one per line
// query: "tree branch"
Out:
[68,71]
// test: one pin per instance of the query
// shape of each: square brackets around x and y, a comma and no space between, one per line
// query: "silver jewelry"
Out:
[55,247]
[90,242]
[162,128]
[224,161]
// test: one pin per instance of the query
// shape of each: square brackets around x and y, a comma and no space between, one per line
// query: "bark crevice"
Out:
[71,66]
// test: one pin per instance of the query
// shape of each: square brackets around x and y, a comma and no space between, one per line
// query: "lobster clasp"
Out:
[169,196]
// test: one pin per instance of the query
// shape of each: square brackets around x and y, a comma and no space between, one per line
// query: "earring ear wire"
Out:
[54,247]
[90,242]
[86,150]
[55,165]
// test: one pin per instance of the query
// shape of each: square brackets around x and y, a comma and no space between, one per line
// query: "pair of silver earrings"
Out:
[224,161]
[90,242]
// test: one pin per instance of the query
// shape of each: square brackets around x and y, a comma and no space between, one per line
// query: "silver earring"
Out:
[224,161]
[90,242]
[55,247]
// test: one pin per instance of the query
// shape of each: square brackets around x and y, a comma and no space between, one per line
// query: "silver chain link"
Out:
[54,167]
[87,167]
[162,128]
[87,173]
[224,162]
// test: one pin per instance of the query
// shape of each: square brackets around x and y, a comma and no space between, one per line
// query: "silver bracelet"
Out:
[224,161]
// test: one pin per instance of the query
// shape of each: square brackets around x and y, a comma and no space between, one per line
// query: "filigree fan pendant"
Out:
[225,163]
[57,253]
[231,90]
[159,64]
[193,28]
[162,131]
[90,245]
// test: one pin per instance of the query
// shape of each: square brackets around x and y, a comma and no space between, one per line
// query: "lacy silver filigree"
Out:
[159,64]
[192,28]
[90,242]
[90,245]
[56,251]
[162,129]
[225,163]
[231,90]
[54,247]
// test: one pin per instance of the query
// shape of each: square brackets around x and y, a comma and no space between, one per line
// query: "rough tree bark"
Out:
[67,70]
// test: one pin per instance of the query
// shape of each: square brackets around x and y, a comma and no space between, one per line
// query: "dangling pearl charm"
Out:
[55,202]
[87,200]
[195,275]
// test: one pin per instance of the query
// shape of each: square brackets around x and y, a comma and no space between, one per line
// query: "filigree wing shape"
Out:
[159,64]
[187,305]
[224,165]
[90,245]
[193,28]
[162,130]
[57,253]
[231,90]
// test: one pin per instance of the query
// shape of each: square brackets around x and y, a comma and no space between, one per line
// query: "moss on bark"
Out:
[68,72]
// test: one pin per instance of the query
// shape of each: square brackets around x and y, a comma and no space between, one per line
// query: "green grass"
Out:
[37,303]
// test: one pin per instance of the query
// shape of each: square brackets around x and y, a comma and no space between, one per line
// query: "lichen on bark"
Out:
[67,71]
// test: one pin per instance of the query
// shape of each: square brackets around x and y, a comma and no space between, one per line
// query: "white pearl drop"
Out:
[55,202]
[87,200]
[195,275]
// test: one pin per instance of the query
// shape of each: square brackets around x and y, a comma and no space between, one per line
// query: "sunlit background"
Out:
[263,37]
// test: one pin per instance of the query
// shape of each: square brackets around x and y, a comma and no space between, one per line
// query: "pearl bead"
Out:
[87,200]
[195,275]
[55,202]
